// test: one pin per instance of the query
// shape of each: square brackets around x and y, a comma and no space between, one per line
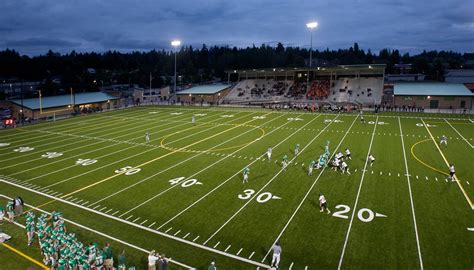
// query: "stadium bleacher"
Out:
[356,90]
[258,89]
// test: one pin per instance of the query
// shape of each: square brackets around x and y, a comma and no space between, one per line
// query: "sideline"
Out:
[93,231]
[24,256]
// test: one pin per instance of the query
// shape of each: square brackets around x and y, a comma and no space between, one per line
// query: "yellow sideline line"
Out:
[25,256]
[447,164]
[419,160]
[145,163]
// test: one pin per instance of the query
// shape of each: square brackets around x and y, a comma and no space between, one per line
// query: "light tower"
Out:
[175,44]
[311,26]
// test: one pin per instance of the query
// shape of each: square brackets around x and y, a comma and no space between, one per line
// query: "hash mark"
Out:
[251,255]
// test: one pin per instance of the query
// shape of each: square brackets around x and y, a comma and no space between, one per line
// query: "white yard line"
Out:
[97,149]
[250,200]
[411,196]
[447,165]
[238,172]
[189,177]
[100,129]
[104,166]
[308,192]
[101,234]
[472,146]
[357,197]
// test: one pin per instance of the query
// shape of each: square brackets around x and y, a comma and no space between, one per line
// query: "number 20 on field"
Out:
[364,214]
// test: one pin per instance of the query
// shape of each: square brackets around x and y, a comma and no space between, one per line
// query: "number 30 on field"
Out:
[128,170]
[364,214]
[262,198]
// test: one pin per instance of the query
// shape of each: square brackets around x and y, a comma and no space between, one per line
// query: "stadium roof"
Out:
[431,89]
[371,68]
[208,89]
[64,100]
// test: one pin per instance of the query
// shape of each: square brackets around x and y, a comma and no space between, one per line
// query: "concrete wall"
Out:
[444,102]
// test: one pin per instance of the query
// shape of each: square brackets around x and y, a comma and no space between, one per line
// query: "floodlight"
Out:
[175,43]
[312,25]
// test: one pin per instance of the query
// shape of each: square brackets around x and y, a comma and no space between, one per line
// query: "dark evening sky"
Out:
[34,26]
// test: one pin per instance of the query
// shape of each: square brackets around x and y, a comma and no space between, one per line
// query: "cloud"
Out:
[34,26]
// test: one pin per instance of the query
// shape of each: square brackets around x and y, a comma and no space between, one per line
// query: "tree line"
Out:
[198,65]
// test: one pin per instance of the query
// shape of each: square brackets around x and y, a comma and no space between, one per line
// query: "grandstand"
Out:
[354,84]
[260,90]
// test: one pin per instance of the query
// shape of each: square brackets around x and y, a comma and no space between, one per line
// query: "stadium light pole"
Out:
[175,44]
[311,26]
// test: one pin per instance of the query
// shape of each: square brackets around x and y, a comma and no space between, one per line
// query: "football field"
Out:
[182,193]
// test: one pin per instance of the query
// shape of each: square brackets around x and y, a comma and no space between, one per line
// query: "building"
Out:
[210,93]
[404,77]
[459,76]
[153,95]
[433,95]
[47,107]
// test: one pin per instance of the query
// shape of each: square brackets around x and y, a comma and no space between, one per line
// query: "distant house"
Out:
[459,76]
[91,70]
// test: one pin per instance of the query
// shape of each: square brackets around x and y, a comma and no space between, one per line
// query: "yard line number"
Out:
[128,170]
[86,162]
[185,184]
[262,198]
[52,155]
[24,149]
[364,214]
[378,123]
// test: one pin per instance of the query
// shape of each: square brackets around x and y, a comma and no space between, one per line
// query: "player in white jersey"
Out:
[147,137]
[339,155]
[452,171]
[269,153]
[344,168]
[193,120]
[348,154]
[371,159]
[323,204]
[444,140]
[276,254]
[336,162]
[311,167]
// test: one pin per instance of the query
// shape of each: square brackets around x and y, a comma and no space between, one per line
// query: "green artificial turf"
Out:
[182,193]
